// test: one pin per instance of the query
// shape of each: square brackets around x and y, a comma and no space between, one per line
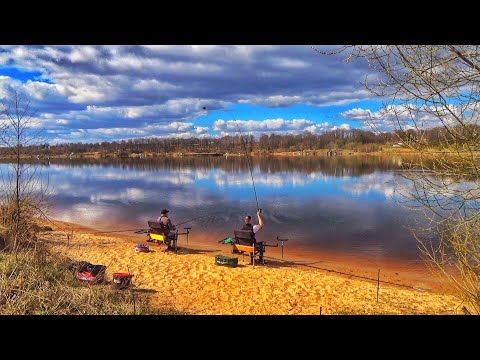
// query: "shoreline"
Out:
[408,273]
[152,155]
[190,281]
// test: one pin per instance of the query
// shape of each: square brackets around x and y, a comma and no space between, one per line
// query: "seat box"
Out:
[226,261]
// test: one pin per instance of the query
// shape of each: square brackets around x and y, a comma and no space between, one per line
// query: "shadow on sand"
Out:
[190,251]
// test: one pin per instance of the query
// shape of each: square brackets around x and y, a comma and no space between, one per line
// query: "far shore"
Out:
[386,151]
[190,281]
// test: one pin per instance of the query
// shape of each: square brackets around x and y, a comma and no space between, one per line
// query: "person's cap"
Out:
[164,211]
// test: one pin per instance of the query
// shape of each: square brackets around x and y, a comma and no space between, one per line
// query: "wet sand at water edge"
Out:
[190,281]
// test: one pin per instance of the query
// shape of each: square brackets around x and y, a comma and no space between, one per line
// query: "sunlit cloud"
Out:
[85,93]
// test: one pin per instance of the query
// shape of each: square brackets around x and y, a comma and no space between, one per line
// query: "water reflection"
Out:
[334,166]
[343,204]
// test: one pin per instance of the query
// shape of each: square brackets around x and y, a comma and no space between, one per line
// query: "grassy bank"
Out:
[37,282]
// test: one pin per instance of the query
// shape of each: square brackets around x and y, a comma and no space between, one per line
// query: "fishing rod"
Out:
[198,217]
[146,229]
[115,231]
[248,158]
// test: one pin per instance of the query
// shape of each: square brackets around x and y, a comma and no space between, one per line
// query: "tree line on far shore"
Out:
[355,140]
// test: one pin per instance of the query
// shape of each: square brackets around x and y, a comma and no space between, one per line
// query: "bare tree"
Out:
[424,87]
[24,195]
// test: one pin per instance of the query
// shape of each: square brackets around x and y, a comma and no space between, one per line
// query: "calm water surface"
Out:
[342,205]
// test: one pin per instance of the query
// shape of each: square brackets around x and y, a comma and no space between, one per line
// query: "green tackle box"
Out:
[226,261]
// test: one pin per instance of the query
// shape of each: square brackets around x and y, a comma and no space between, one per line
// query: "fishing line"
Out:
[115,231]
[246,154]
[198,217]
[145,229]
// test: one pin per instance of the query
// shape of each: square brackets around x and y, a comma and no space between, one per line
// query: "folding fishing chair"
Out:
[158,233]
[243,244]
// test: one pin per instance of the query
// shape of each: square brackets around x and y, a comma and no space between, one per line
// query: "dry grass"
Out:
[35,282]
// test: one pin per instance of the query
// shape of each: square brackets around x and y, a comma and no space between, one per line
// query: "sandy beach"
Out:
[190,281]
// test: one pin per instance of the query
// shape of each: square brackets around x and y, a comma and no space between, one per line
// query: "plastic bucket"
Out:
[122,280]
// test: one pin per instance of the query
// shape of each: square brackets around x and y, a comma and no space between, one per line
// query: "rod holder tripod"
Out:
[183,233]
[283,241]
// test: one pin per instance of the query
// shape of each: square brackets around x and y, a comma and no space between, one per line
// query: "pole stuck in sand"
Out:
[282,240]
[378,284]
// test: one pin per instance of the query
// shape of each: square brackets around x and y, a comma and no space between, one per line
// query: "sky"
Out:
[109,93]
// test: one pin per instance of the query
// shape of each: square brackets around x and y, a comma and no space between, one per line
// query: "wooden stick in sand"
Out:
[378,284]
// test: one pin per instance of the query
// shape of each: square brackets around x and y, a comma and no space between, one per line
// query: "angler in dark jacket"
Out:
[254,229]
[163,218]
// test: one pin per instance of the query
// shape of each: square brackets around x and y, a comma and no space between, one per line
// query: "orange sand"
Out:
[191,282]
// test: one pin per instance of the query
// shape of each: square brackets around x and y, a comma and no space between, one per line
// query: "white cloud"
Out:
[263,125]
[289,63]
[153,84]
[135,62]
[342,127]
[404,116]
[328,99]
[294,126]
[83,54]
[274,100]
[111,86]
[201,129]
[357,114]
[339,97]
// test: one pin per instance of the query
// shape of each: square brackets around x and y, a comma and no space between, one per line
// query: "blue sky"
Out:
[104,93]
